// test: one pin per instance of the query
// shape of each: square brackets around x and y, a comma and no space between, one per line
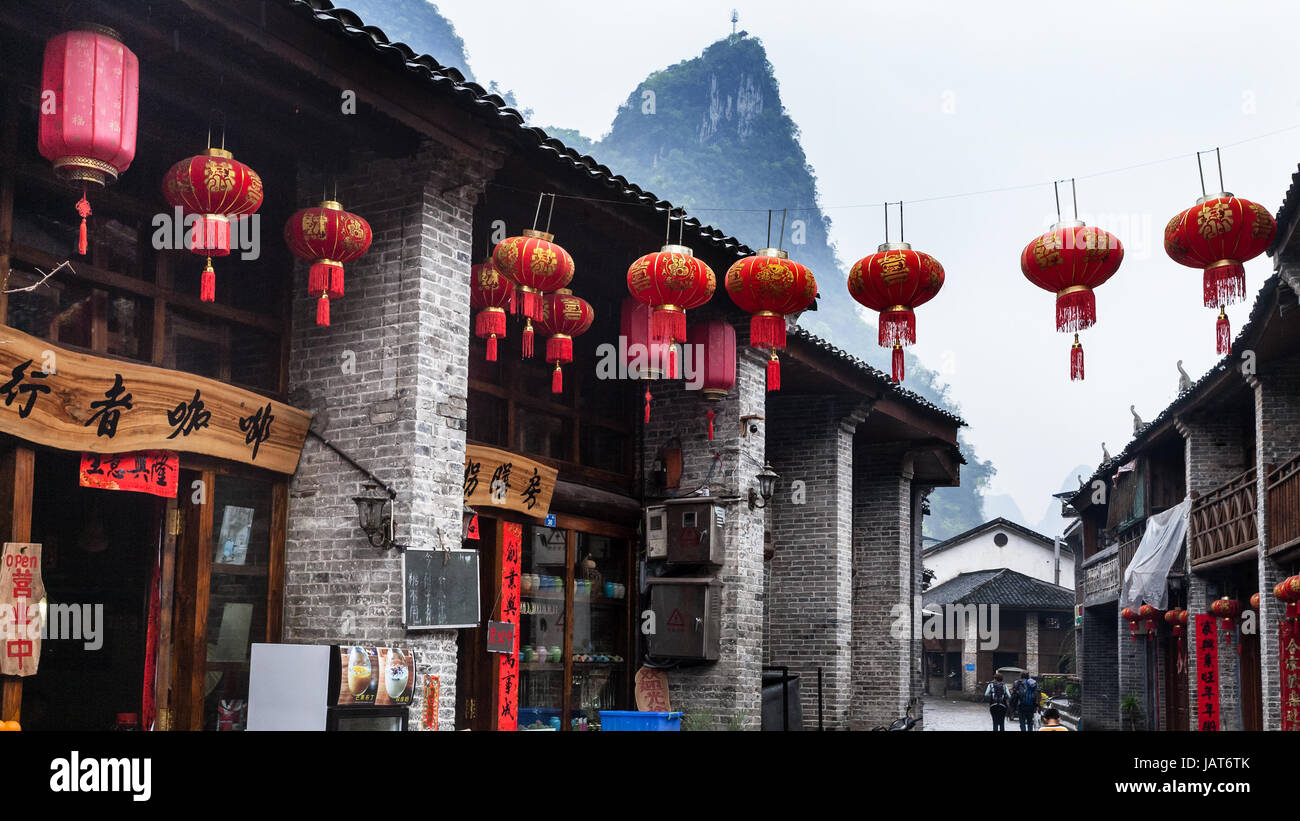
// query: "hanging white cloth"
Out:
[1145,578]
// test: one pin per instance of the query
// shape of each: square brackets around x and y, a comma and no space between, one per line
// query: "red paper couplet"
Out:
[142,471]
[508,663]
[1289,650]
[1207,673]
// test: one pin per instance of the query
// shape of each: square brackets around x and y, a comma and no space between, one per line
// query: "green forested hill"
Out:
[711,134]
[418,24]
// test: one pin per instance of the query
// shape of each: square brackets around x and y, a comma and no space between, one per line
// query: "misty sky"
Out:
[924,99]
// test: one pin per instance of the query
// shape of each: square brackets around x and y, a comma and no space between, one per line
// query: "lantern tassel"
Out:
[83,208]
[557,379]
[773,372]
[1224,283]
[532,305]
[668,325]
[490,322]
[647,404]
[897,363]
[323,310]
[514,301]
[896,326]
[1223,333]
[1076,361]
[672,361]
[208,287]
[492,348]
[710,424]
[559,349]
[767,331]
[1076,310]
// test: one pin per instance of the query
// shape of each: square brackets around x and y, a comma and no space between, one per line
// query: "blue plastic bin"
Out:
[631,720]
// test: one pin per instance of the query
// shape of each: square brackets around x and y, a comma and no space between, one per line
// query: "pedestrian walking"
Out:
[996,693]
[1024,697]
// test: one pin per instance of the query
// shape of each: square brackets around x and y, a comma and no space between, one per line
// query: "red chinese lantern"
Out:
[90,89]
[895,281]
[1288,591]
[643,357]
[1071,260]
[714,344]
[1177,619]
[1228,610]
[1132,617]
[671,281]
[564,316]
[217,188]
[770,285]
[1254,601]
[326,236]
[1149,614]
[491,294]
[1218,234]
[538,266]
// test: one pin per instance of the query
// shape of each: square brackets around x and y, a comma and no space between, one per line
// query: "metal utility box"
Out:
[688,617]
[695,528]
[656,532]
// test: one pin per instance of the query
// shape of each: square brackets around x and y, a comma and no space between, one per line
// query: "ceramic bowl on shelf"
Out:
[556,653]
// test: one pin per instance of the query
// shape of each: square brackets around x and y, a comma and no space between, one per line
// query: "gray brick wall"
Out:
[732,685]
[810,593]
[884,584]
[404,320]
[1103,629]
[1277,439]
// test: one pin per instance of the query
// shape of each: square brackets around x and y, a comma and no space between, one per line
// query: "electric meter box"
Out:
[688,617]
[656,532]
[694,529]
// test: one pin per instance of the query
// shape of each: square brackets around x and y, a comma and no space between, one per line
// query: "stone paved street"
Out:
[948,714]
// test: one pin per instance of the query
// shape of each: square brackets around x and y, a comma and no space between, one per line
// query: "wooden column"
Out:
[16,476]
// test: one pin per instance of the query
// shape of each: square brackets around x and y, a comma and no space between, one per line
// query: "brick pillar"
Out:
[1277,439]
[810,594]
[1101,631]
[970,657]
[884,586]
[1031,643]
[732,685]
[1131,673]
[387,382]
[1213,454]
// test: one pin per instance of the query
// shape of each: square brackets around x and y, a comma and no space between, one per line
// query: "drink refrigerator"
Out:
[331,688]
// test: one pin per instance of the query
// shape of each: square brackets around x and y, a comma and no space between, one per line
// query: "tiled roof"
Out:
[1003,587]
[1195,392]
[448,81]
[1286,214]
[887,382]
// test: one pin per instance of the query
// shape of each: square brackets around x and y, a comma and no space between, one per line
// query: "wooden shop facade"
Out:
[186,445]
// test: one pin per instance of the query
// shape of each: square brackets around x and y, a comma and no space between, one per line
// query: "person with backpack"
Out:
[1024,697]
[996,693]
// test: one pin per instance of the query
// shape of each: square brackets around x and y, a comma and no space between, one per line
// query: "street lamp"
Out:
[766,485]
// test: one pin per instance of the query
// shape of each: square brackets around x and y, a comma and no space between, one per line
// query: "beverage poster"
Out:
[375,676]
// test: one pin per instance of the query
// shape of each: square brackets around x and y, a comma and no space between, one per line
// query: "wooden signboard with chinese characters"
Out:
[498,478]
[21,591]
[100,405]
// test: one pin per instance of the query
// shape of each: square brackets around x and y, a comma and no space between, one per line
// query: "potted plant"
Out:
[1131,706]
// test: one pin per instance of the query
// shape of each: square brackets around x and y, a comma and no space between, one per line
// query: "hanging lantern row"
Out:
[671,281]
[1070,260]
[1217,235]
[770,286]
[536,266]
[90,92]
[895,281]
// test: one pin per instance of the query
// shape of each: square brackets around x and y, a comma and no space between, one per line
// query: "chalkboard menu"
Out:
[440,589]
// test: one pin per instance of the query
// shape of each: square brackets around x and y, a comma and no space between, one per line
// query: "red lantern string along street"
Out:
[1218,234]
[1132,617]
[1288,591]
[671,281]
[714,346]
[538,266]
[216,188]
[564,316]
[770,285]
[1149,613]
[895,281]
[1071,260]
[90,90]
[491,294]
[326,236]
[643,357]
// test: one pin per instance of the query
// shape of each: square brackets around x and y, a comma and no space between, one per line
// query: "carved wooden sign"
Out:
[498,478]
[76,401]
